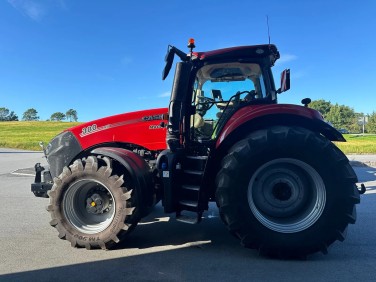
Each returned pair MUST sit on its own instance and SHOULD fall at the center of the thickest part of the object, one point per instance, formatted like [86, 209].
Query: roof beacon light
[191, 43]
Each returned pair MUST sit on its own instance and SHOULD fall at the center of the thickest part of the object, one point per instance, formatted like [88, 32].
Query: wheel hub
[98, 202]
[278, 191]
[89, 206]
[282, 191]
[286, 195]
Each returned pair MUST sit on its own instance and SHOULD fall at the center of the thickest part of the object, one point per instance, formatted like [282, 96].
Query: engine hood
[142, 128]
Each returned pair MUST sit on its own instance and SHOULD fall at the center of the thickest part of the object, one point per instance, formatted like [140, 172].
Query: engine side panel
[142, 128]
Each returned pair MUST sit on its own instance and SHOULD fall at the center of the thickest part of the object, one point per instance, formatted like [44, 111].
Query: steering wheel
[203, 99]
[204, 104]
[251, 95]
[235, 100]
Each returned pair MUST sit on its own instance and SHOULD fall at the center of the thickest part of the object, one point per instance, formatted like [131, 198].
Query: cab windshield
[219, 90]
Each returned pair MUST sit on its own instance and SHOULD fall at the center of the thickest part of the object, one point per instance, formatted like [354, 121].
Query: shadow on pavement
[370, 174]
[207, 252]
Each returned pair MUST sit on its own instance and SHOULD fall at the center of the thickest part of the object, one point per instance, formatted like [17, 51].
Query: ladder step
[189, 219]
[194, 172]
[192, 204]
[193, 163]
[191, 187]
[201, 158]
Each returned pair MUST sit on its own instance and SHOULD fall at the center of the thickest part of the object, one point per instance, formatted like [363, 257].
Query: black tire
[287, 192]
[89, 205]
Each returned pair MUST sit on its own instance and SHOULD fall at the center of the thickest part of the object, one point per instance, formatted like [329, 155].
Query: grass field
[27, 135]
[358, 144]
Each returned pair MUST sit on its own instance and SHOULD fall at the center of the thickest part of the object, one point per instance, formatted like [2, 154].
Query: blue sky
[106, 57]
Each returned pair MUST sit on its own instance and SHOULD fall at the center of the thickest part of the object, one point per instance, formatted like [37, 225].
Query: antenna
[267, 23]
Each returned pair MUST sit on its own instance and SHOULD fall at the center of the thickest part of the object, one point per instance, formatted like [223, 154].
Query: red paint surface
[124, 128]
[252, 112]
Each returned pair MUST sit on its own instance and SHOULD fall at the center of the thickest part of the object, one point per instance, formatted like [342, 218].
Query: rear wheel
[91, 206]
[287, 191]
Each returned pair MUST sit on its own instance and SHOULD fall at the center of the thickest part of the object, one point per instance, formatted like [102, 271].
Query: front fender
[138, 170]
[61, 151]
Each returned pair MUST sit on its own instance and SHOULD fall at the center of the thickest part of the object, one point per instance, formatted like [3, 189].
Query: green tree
[341, 116]
[30, 115]
[58, 116]
[322, 106]
[371, 125]
[355, 126]
[12, 117]
[6, 115]
[4, 112]
[71, 115]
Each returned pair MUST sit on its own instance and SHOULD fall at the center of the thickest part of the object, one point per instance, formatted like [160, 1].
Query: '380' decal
[89, 129]
[93, 128]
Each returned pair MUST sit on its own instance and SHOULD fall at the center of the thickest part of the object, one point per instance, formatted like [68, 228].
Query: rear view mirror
[285, 81]
[169, 59]
[217, 94]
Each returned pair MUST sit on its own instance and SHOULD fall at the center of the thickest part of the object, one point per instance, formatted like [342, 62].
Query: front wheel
[287, 191]
[91, 206]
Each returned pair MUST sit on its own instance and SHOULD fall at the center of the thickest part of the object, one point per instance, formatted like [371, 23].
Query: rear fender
[234, 134]
[138, 170]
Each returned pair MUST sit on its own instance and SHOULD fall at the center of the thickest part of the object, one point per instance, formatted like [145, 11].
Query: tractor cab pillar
[180, 106]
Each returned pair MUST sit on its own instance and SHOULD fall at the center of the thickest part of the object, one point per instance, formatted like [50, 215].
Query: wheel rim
[286, 195]
[89, 206]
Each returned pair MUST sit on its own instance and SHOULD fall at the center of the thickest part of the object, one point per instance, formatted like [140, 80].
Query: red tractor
[281, 185]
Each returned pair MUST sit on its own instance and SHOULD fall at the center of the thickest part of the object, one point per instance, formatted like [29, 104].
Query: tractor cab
[209, 87]
[221, 89]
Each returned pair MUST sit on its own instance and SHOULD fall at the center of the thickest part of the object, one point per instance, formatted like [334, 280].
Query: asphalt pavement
[162, 249]
[362, 160]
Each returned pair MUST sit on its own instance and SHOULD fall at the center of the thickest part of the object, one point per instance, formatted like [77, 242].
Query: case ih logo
[155, 117]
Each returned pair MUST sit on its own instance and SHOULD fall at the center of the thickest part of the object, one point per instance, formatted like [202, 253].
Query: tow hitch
[42, 182]
[362, 189]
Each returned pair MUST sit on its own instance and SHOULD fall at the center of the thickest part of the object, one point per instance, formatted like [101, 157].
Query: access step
[188, 204]
[189, 187]
[194, 219]
[195, 162]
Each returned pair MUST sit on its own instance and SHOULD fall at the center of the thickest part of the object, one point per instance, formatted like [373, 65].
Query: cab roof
[241, 53]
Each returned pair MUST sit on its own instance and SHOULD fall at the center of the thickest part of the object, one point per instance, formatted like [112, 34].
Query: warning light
[191, 43]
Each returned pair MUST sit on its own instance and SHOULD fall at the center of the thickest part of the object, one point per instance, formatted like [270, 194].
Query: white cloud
[29, 8]
[165, 94]
[286, 58]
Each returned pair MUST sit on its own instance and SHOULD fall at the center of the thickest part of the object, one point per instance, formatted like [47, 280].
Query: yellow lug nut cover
[93, 204]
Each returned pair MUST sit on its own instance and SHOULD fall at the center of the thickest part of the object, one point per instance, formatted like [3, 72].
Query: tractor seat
[197, 120]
